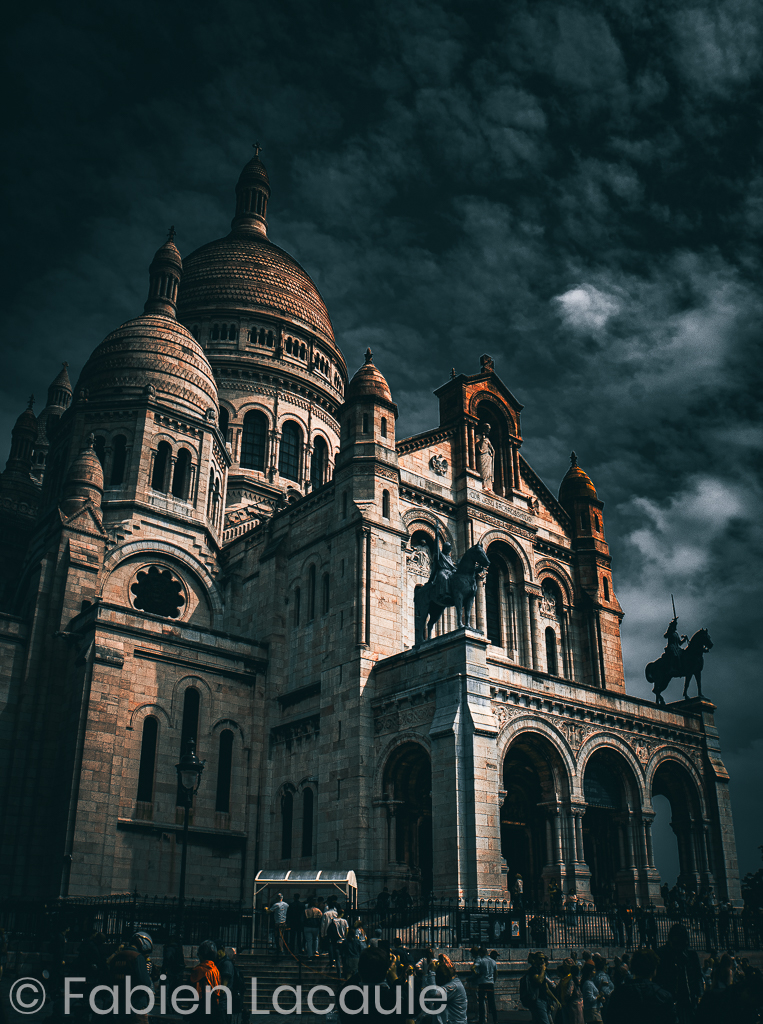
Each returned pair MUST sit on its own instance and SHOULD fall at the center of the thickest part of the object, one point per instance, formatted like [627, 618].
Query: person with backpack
[173, 962]
[131, 961]
[335, 935]
[233, 980]
[205, 977]
[535, 991]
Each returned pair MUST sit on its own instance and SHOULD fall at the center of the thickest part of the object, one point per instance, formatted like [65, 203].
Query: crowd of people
[667, 985]
[103, 965]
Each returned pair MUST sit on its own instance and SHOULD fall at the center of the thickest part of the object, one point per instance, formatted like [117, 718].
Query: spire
[60, 390]
[23, 436]
[164, 276]
[369, 356]
[573, 459]
[252, 195]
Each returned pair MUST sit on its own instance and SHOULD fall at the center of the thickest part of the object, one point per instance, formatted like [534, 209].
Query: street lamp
[189, 770]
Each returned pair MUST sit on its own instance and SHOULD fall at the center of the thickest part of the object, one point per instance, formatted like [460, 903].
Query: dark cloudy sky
[573, 187]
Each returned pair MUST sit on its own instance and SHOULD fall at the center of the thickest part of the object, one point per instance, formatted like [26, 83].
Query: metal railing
[440, 923]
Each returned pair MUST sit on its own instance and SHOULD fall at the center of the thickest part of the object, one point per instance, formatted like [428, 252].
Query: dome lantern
[164, 277]
[252, 195]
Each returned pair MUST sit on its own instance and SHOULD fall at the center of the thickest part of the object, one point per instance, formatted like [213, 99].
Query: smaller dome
[27, 421]
[253, 175]
[576, 484]
[369, 381]
[84, 481]
[151, 351]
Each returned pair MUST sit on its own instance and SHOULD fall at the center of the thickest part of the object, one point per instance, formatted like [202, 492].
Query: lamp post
[189, 770]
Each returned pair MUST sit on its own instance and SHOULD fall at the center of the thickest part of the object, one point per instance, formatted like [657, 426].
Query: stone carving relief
[420, 561]
[438, 465]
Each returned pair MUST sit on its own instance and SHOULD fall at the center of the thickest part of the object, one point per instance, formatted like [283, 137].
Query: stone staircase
[271, 971]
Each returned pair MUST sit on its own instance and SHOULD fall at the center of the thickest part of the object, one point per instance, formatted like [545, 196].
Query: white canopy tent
[323, 883]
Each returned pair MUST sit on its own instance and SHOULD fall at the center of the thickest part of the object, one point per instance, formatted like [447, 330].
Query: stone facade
[217, 535]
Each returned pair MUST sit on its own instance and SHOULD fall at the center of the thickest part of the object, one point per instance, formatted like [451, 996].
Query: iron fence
[120, 915]
[439, 923]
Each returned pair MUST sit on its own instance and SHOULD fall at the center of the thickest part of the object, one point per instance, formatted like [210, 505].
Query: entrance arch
[673, 780]
[611, 827]
[407, 787]
[536, 784]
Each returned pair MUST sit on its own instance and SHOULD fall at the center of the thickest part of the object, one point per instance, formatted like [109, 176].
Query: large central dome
[246, 271]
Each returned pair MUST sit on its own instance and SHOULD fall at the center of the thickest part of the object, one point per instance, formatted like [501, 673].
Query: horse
[463, 588]
[691, 664]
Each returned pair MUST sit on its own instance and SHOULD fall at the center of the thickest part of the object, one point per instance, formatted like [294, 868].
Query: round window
[157, 591]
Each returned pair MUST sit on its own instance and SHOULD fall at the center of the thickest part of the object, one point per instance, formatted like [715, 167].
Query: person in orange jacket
[205, 977]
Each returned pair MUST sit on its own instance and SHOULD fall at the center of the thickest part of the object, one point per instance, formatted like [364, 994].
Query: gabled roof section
[537, 485]
[424, 440]
[477, 381]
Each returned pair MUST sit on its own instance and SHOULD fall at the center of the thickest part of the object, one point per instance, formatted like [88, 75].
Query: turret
[22, 444]
[252, 195]
[164, 277]
[84, 481]
[577, 496]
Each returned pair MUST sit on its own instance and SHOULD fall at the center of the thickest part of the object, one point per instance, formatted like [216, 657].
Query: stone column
[557, 825]
[629, 841]
[480, 605]
[549, 844]
[532, 620]
[647, 839]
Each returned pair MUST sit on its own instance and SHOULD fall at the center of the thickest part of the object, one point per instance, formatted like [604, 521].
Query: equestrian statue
[449, 585]
[677, 660]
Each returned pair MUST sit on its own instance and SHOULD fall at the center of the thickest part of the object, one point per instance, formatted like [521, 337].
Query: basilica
[216, 535]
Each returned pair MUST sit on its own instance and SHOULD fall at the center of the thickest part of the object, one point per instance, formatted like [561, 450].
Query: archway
[673, 781]
[506, 604]
[407, 786]
[611, 834]
[535, 781]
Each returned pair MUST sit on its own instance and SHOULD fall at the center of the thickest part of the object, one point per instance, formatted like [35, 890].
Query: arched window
[287, 814]
[307, 823]
[318, 465]
[161, 464]
[100, 449]
[288, 345]
[493, 584]
[385, 504]
[384, 426]
[365, 422]
[253, 441]
[288, 457]
[605, 581]
[325, 593]
[223, 332]
[215, 332]
[189, 729]
[232, 332]
[585, 523]
[223, 422]
[224, 766]
[118, 460]
[297, 604]
[147, 760]
[182, 475]
[505, 604]
[311, 594]
[551, 659]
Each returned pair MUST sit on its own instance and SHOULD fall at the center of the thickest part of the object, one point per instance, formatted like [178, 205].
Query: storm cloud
[574, 188]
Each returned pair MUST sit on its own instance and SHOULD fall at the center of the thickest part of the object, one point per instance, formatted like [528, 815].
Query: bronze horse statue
[691, 663]
[462, 587]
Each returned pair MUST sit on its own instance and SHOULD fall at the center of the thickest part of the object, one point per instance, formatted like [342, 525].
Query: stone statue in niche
[486, 458]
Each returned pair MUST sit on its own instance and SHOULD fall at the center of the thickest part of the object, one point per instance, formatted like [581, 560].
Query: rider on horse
[442, 570]
[673, 648]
